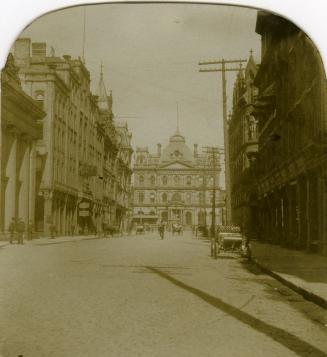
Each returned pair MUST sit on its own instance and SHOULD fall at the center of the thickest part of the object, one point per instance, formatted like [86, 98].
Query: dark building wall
[242, 131]
[291, 162]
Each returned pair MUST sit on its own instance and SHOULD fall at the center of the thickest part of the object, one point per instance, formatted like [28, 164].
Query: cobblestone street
[142, 296]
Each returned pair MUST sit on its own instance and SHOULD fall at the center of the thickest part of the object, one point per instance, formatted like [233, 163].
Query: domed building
[175, 185]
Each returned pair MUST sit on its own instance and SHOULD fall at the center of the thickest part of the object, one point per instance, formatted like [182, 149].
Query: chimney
[22, 48]
[39, 50]
[195, 150]
[159, 150]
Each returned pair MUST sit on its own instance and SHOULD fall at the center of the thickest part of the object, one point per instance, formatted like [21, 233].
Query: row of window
[176, 180]
[175, 197]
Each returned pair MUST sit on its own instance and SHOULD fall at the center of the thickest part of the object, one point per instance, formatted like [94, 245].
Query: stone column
[307, 211]
[48, 213]
[320, 210]
[324, 212]
[24, 180]
[10, 197]
[64, 216]
[32, 193]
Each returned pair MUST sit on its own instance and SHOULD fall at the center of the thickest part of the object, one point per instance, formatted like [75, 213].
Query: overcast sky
[150, 55]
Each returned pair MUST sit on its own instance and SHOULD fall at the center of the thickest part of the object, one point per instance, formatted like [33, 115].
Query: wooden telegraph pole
[212, 157]
[213, 160]
[223, 71]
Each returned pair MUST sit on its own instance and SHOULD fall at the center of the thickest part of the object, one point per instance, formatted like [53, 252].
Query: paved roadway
[141, 296]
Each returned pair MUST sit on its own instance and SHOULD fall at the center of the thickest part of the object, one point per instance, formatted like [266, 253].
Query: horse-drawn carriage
[111, 230]
[139, 229]
[177, 228]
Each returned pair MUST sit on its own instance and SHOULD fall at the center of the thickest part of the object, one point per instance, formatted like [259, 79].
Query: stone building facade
[243, 141]
[124, 176]
[176, 185]
[76, 164]
[291, 167]
[21, 128]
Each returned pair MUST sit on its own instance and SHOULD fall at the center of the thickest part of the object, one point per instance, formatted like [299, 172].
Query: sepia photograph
[163, 184]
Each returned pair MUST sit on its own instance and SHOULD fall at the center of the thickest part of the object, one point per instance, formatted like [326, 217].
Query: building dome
[177, 149]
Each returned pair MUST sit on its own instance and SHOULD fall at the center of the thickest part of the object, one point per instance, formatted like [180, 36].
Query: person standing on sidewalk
[12, 229]
[30, 230]
[52, 230]
[20, 231]
[72, 230]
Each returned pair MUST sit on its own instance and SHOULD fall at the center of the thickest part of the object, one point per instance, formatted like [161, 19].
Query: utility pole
[212, 156]
[223, 71]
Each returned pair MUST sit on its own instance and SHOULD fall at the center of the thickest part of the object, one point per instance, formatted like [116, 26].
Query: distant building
[291, 168]
[21, 127]
[243, 141]
[175, 185]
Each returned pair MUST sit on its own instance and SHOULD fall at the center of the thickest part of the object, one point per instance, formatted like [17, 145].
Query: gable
[177, 165]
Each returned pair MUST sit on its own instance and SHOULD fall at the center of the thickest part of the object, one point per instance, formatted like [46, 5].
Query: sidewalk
[49, 240]
[305, 273]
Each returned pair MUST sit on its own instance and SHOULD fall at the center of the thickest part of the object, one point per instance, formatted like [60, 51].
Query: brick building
[243, 141]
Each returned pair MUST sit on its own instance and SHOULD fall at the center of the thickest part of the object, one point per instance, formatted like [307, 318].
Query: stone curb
[318, 300]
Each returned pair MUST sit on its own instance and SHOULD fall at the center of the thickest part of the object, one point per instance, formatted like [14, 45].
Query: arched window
[164, 180]
[141, 180]
[164, 197]
[39, 96]
[152, 197]
[141, 197]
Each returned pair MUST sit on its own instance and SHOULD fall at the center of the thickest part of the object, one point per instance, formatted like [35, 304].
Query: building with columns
[21, 128]
[176, 185]
[77, 158]
[243, 142]
[291, 164]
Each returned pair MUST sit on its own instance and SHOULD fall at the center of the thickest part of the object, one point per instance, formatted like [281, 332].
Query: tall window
[152, 180]
[164, 180]
[152, 197]
[188, 197]
[188, 181]
[39, 96]
[141, 180]
[176, 180]
[141, 197]
[164, 197]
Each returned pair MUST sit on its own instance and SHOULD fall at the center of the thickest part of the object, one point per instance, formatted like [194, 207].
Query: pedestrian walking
[72, 230]
[12, 229]
[52, 230]
[161, 230]
[30, 230]
[20, 231]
